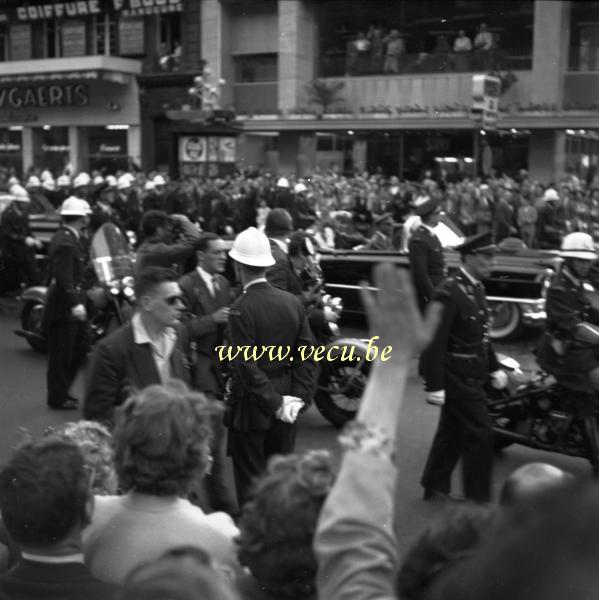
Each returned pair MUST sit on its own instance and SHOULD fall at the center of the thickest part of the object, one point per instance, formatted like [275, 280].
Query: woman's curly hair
[95, 443]
[278, 524]
[161, 439]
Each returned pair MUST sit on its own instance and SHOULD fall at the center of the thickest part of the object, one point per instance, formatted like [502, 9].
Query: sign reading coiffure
[42, 96]
[31, 11]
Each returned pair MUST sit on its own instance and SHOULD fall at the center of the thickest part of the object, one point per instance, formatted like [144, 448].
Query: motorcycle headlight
[128, 291]
[128, 281]
[114, 287]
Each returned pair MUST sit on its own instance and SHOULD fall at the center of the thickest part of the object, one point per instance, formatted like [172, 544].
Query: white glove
[330, 315]
[289, 409]
[79, 312]
[30, 241]
[499, 379]
[436, 398]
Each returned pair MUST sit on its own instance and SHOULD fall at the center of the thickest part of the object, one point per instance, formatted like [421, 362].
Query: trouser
[68, 345]
[250, 451]
[464, 430]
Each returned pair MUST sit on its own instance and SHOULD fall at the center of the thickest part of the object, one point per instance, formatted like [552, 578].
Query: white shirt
[54, 560]
[250, 283]
[208, 280]
[484, 39]
[161, 350]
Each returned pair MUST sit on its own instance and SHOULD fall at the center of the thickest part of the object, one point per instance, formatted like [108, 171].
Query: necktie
[215, 286]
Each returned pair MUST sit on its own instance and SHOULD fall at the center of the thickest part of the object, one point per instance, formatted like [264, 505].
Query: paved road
[22, 404]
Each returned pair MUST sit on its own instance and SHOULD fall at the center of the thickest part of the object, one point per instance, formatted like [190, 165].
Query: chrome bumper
[532, 310]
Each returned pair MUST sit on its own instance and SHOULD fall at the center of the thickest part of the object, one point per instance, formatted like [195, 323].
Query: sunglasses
[172, 300]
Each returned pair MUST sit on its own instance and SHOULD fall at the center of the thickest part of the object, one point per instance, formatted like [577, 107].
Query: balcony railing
[584, 58]
[255, 97]
[341, 64]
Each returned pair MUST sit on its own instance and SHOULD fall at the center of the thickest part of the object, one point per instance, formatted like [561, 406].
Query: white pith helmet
[578, 245]
[82, 180]
[251, 247]
[74, 207]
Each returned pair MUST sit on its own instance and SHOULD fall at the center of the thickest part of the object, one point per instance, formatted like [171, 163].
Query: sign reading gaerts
[42, 96]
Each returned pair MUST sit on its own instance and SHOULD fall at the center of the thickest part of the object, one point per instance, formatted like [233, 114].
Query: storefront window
[11, 153]
[51, 148]
[169, 31]
[107, 148]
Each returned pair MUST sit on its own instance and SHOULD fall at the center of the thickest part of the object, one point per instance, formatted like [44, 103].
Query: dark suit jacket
[203, 330]
[266, 316]
[426, 263]
[120, 367]
[281, 274]
[68, 259]
[29, 580]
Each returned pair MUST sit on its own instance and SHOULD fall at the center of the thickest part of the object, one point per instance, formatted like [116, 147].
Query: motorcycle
[340, 381]
[536, 411]
[111, 297]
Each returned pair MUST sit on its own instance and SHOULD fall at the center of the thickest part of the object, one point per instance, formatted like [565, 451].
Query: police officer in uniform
[461, 362]
[568, 349]
[264, 396]
[65, 317]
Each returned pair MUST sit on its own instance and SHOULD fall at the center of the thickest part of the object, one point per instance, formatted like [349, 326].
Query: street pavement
[22, 405]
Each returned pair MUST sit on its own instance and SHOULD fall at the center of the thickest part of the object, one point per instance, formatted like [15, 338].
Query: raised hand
[393, 313]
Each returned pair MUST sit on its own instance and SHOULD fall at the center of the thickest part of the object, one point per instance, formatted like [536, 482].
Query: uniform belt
[462, 355]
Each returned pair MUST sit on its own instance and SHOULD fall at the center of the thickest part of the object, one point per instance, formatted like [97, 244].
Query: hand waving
[393, 313]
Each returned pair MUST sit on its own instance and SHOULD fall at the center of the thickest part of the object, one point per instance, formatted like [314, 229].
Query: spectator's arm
[355, 544]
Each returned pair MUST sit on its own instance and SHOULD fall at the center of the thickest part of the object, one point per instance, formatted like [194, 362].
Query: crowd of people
[108, 510]
[367, 211]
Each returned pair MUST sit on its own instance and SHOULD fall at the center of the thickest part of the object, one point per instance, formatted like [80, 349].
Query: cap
[278, 222]
[481, 243]
[159, 180]
[298, 188]
[64, 181]
[283, 182]
[74, 207]
[550, 194]
[33, 181]
[123, 182]
[81, 180]
[98, 180]
[424, 205]
[111, 180]
[46, 175]
[149, 186]
[19, 192]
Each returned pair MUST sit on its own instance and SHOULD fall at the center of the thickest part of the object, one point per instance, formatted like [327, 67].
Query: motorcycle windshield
[110, 254]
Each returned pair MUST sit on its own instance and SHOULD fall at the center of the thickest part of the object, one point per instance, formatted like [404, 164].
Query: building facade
[314, 84]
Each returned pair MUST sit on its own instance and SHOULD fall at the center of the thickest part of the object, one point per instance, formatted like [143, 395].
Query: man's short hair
[161, 439]
[151, 221]
[43, 492]
[150, 278]
[205, 240]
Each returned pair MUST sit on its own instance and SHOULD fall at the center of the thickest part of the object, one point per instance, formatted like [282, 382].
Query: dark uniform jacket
[266, 316]
[68, 268]
[281, 273]
[121, 367]
[205, 333]
[558, 353]
[461, 356]
[426, 263]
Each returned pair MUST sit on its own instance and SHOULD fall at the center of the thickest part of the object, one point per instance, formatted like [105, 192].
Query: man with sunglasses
[152, 348]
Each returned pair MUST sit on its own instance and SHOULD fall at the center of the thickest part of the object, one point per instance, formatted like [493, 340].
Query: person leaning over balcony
[394, 49]
[462, 47]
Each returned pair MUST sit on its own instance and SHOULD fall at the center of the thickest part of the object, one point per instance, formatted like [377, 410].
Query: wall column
[134, 143]
[298, 39]
[547, 155]
[27, 149]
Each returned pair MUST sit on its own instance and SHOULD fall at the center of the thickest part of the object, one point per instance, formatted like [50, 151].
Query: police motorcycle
[343, 367]
[549, 409]
[111, 296]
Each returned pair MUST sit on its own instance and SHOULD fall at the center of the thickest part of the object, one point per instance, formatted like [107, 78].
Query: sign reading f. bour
[42, 96]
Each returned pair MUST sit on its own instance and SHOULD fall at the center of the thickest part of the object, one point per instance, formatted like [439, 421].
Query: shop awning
[103, 68]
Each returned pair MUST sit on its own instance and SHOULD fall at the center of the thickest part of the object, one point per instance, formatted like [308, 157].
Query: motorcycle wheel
[340, 388]
[31, 320]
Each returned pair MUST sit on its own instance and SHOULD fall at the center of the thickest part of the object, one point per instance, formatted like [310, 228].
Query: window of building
[21, 47]
[104, 35]
[169, 31]
[4, 39]
[255, 68]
